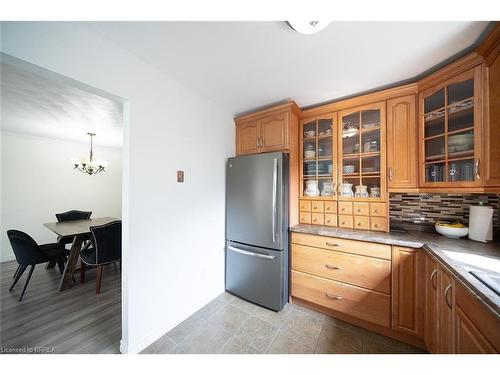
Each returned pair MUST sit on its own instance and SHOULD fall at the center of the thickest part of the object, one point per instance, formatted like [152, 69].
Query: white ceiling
[246, 65]
[35, 104]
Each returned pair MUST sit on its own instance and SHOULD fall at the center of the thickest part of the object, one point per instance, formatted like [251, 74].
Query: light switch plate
[180, 176]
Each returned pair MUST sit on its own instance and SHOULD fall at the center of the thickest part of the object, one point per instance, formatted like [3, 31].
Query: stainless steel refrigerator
[257, 228]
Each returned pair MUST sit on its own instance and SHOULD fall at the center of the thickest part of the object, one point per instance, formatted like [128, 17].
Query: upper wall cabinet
[402, 160]
[266, 131]
[450, 132]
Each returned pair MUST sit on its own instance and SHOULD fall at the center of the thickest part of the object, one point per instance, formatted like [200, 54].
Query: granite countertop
[458, 255]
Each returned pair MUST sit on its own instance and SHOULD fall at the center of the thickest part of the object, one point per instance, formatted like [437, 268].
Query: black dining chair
[69, 216]
[104, 247]
[29, 253]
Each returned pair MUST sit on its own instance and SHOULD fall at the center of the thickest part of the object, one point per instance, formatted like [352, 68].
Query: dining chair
[69, 216]
[29, 253]
[104, 247]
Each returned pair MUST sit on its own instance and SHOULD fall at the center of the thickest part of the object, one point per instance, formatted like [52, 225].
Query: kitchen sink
[491, 281]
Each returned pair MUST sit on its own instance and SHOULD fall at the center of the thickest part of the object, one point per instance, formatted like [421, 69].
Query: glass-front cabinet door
[362, 150]
[450, 128]
[319, 157]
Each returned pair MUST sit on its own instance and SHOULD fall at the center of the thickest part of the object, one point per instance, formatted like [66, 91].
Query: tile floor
[231, 325]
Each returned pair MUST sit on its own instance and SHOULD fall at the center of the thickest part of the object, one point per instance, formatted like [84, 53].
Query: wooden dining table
[79, 230]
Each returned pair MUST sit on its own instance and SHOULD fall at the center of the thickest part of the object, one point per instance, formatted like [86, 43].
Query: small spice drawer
[330, 207]
[305, 218]
[378, 223]
[361, 208]
[316, 218]
[362, 222]
[305, 206]
[378, 209]
[346, 221]
[345, 208]
[317, 206]
[331, 220]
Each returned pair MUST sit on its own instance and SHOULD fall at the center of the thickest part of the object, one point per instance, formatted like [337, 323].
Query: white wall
[39, 181]
[173, 233]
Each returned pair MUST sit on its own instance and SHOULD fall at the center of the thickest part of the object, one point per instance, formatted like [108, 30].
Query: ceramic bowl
[450, 231]
[348, 168]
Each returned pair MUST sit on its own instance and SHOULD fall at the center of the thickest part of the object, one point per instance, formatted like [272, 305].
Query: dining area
[81, 239]
[64, 296]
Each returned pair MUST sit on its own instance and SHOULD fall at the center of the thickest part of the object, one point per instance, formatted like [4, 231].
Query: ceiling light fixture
[90, 165]
[308, 27]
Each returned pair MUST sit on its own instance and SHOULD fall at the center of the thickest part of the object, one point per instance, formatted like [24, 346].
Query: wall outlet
[180, 176]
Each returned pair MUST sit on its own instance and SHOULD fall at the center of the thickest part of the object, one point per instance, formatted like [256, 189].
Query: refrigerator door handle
[250, 253]
[275, 192]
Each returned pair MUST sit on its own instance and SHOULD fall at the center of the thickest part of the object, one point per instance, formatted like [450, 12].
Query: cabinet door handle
[390, 173]
[377, 211]
[446, 294]
[358, 210]
[333, 296]
[360, 224]
[476, 169]
[344, 223]
[331, 244]
[377, 225]
[433, 274]
[332, 267]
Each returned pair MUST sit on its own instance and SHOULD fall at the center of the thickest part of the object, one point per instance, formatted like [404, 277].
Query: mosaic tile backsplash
[423, 210]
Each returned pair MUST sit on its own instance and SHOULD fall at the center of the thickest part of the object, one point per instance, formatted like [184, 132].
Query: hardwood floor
[76, 320]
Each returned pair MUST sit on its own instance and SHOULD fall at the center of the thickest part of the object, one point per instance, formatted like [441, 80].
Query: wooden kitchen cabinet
[402, 160]
[247, 138]
[431, 317]
[445, 311]
[408, 290]
[468, 339]
[450, 131]
[273, 129]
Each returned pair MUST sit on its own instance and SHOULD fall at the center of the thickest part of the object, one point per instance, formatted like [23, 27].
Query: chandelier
[89, 165]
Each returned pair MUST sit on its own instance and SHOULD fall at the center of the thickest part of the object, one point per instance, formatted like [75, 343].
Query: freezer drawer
[257, 274]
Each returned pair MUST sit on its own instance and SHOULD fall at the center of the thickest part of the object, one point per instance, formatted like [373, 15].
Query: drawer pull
[345, 222]
[343, 209]
[377, 225]
[332, 296]
[331, 244]
[332, 267]
[360, 224]
[377, 211]
[358, 210]
[315, 220]
[315, 207]
[328, 221]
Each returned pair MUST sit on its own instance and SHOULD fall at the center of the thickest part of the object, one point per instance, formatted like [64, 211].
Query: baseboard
[142, 344]
[7, 258]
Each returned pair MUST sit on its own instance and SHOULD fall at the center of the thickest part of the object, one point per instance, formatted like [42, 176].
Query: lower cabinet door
[468, 339]
[408, 290]
[431, 305]
[445, 312]
[358, 302]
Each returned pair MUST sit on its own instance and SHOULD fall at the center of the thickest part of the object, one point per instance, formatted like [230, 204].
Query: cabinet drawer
[345, 208]
[361, 208]
[378, 209]
[317, 206]
[305, 218]
[338, 244]
[358, 302]
[362, 222]
[316, 219]
[358, 270]
[305, 206]
[378, 223]
[331, 220]
[330, 207]
[346, 221]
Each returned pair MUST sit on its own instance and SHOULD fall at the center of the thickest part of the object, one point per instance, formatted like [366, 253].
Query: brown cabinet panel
[445, 311]
[273, 132]
[317, 206]
[331, 220]
[345, 208]
[468, 339]
[431, 304]
[362, 222]
[346, 221]
[371, 273]
[378, 209]
[361, 208]
[316, 218]
[408, 290]
[305, 206]
[305, 217]
[247, 138]
[402, 143]
[358, 302]
[378, 224]
[491, 169]
[330, 207]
